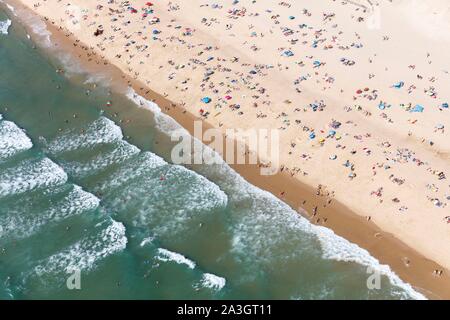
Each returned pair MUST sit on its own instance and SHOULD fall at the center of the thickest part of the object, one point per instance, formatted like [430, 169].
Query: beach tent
[206, 100]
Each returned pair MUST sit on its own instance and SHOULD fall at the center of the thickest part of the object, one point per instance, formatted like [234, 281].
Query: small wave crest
[212, 281]
[4, 26]
[30, 175]
[12, 140]
[21, 221]
[170, 256]
[101, 131]
[86, 253]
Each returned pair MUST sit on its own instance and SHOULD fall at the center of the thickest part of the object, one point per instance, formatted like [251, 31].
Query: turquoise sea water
[83, 191]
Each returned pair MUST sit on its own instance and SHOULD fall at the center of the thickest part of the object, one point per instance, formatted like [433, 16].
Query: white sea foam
[85, 254]
[136, 179]
[146, 241]
[141, 101]
[38, 27]
[122, 151]
[10, 7]
[98, 78]
[21, 222]
[340, 249]
[29, 175]
[101, 131]
[71, 65]
[183, 197]
[166, 255]
[12, 140]
[131, 170]
[193, 191]
[164, 123]
[212, 281]
[272, 217]
[4, 26]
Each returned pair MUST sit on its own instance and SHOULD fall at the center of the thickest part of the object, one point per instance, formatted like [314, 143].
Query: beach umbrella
[206, 100]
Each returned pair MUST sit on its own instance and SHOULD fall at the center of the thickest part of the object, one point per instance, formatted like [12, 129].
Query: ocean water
[85, 192]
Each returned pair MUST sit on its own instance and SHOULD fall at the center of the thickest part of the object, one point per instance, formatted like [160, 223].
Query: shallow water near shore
[87, 186]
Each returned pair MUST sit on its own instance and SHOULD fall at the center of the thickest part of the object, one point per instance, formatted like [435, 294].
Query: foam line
[30, 175]
[13, 140]
[101, 131]
[166, 256]
[86, 253]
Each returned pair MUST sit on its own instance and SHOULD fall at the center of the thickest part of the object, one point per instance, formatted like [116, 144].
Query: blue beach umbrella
[206, 100]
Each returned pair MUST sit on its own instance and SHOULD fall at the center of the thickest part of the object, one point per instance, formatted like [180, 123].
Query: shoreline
[353, 227]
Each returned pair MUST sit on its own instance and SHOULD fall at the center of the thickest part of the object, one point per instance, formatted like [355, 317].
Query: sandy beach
[358, 92]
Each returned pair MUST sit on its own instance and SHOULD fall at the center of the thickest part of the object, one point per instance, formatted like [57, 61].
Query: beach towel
[417, 108]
